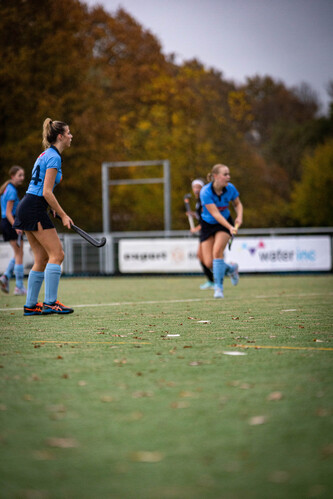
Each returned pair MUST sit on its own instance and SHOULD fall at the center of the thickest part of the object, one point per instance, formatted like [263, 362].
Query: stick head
[187, 196]
[102, 242]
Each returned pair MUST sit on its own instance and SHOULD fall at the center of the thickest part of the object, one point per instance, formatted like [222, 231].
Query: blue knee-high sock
[19, 274]
[218, 271]
[35, 281]
[228, 268]
[10, 269]
[52, 278]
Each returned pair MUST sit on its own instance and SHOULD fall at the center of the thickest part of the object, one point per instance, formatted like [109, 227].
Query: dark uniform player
[197, 185]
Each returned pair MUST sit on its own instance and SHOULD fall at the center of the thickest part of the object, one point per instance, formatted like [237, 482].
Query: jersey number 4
[36, 178]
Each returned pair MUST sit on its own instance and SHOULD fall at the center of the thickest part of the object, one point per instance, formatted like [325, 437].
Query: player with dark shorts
[32, 217]
[217, 225]
[197, 185]
[9, 202]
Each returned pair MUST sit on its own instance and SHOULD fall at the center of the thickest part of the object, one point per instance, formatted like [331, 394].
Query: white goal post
[106, 182]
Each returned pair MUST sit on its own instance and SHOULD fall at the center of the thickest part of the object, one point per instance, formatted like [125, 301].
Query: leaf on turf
[82, 383]
[258, 420]
[203, 322]
[120, 362]
[142, 394]
[147, 457]
[65, 376]
[274, 396]
[322, 412]
[106, 398]
[279, 476]
[180, 405]
[56, 408]
[59, 357]
[187, 346]
[191, 318]
[185, 394]
[318, 341]
[235, 318]
[195, 363]
[63, 443]
[3, 407]
[135, 416]
[327, 451]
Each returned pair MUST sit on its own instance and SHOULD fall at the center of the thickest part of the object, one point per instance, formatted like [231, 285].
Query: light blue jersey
[209, 196]
[48, 159]
[10, 194]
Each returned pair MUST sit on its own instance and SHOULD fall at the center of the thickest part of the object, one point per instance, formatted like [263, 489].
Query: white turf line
[189, 300]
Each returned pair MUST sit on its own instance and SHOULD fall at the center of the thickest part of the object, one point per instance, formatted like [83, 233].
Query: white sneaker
[4, 284]
[20, 291]
[207, 285]
[218, 293]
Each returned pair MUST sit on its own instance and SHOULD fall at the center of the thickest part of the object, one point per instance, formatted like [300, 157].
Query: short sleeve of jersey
[50, 159]
[53, 162]
[11, 193]
[206, 195]
[233, 192]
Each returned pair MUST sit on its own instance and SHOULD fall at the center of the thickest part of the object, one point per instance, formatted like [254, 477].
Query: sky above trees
[290, 40]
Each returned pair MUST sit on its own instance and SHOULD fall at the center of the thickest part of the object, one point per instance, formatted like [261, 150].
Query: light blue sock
[10, 269]
[52, 278]
[218, 271]
[230, 269]
[35, 281]
[19, 274]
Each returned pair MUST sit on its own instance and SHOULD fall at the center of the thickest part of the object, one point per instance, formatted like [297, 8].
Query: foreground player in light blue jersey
[9, 202]
[32, 217]
[217, 226]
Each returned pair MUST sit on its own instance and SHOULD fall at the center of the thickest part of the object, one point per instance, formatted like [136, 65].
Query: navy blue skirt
[8, 233]
[208, 230]
[31, 210]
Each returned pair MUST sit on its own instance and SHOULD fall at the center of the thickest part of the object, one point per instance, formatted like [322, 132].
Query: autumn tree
[125, 100]
[312, 201]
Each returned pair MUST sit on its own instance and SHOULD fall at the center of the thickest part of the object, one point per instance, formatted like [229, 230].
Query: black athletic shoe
[34, 310]
[56, 308]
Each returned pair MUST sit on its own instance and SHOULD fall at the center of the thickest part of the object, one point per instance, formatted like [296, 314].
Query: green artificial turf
[104, 404]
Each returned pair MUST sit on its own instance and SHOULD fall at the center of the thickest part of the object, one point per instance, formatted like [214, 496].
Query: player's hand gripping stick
[232, 237]
[188, 210]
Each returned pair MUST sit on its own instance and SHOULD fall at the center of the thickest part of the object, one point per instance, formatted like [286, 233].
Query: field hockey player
[217, 226]
[9, 202]
[197, 185]
[32, 217]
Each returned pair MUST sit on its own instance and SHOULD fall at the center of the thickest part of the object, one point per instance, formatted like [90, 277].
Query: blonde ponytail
[51, 130]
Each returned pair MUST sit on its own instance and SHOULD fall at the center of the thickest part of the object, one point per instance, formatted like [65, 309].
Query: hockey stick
[86, 236]
[188, 210]
[232, 237]
[19, 240]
